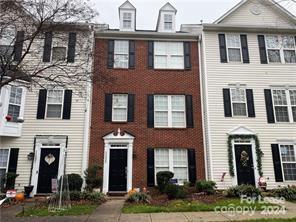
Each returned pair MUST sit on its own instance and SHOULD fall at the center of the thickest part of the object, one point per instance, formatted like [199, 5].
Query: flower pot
[28, 190]
[8, 118]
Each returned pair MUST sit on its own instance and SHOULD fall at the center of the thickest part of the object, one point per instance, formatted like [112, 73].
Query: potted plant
[28, 190]
[8, 118]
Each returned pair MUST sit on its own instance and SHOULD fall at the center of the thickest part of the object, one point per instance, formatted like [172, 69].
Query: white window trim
[280, 151]
[170, 112]
[113, 107]
[171, 163]
[127, 20]
[281, 49]
[56, 42]
[8, 157]
[15, 104]
[62, 108]
[289, 105]
[240, 48]
[239, 102]
[167, 22]
[126, 54]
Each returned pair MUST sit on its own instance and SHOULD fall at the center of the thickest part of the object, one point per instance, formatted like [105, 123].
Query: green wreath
[259, 153]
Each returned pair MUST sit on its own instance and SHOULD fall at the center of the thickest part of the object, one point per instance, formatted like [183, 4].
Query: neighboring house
[147, 117]
[54, 134]
[249, 93]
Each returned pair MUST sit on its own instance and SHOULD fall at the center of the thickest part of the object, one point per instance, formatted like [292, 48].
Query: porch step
[116, 194]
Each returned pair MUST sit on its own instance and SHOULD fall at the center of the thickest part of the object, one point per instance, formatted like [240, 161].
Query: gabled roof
[273, 3]
[168, 7]
[127, 5]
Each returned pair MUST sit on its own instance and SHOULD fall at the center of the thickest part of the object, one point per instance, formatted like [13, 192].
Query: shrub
[93, 196]
[75, 195]
[7, 181]
[138, 197]
[92, 179]
[75, 182]
[163, 179]
[206, 186]
[244, 189]
[289, 193]
[175, 191]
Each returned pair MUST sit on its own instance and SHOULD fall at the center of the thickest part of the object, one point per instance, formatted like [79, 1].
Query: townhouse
[249, 94]
[146, 117]
[44, 128]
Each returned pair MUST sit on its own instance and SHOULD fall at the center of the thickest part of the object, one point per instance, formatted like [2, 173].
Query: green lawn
[43, 211]
[271, 220]
[188, 206]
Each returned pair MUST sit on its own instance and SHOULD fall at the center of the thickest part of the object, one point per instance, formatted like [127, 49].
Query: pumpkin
[20, 197]
[132, 191]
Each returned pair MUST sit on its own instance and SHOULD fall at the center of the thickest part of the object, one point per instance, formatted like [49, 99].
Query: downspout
[32, 162]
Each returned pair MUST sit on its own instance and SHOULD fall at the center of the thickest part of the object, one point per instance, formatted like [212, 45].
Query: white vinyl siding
[288, 160]
[169, 111]
[15, 102]
[54, 104]
[168, 55]
[121, 49]
[233, 44]
[238, 102]
[4, 154]
[284, 105]
[119, 107]
[174, 160]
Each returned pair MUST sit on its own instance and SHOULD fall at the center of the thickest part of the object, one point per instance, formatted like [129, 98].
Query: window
[238, 100]
[4, 154]
[119, 107]
[15, 102]
[174, 160]
[281, 49]
[168, 22]
[284, 103]
[288, 161]
[168, 55]
[58, 53]
[54, 103]
[7, 37]
[169, 111]
[121, 49]
[127, 20]
[234, 47]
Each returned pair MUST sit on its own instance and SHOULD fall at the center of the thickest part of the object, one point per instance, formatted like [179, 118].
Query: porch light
[30, 156]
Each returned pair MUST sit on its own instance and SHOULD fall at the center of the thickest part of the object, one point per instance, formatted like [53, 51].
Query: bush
[289, 193]
[7, 181]
[244, 189]
[163, 179]
[93, 196]
[92, 179]
[75, 182]
[75, 195]
[205, 186]
[175, 191]
[138, 197]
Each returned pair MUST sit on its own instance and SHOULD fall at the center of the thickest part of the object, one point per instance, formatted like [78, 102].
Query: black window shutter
[191, 165]
[67, 104]
[189, 112]
[277, 163]
[71, 47]
[227, 103]
[150, 111]
[150, 168]
[262, 49]
[13, 158]
[187, 60]
[269, 106]
[150, 54]
[110, 60]
[132, 58]
[108, 107]
[245, 49]
[222, 46]
[41, 104]
[18, 47]
[131, 107]
[47, 47]
[250, 103]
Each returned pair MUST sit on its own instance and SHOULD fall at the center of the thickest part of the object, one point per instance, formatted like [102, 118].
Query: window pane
[234, 55]
[160, 48]
[160, 119]
[119, 114]
[15, 95]
[3, 157]
[162, 158]
[180, 157]
[274, 55]
[294, 113]
[288, 42]
[233, 41]
[168, 18]
[289, 171]
[175, 48]
[180, 173]
[238, 95]
[2, 174]
[279, 97]
[14, 111]
[54, 111]
[239, 109]
[58, 53]
[120, 100]
[120, 61]
[272, 42]
[160, 61]
[293, 97]
[176, 62]
[121, 47]
[127, 16]
[127, 24]
[178, 103]
[7, 36]
[55, 96]
[290, 56]
[6, 51]
[161, 103]
[287, 153]
[281, 113]
[178, 119]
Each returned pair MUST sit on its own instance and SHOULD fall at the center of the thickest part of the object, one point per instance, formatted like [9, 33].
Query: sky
[189, 11]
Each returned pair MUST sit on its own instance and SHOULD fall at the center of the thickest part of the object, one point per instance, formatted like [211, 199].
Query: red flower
[8, 118]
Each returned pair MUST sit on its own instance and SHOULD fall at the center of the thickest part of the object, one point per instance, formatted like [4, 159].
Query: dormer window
[127, 20]
[168, 22]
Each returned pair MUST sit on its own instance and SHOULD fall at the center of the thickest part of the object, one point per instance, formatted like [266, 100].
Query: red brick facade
[142, 81]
